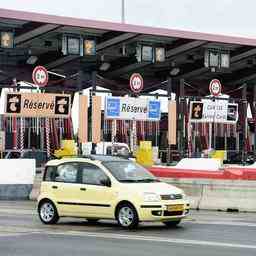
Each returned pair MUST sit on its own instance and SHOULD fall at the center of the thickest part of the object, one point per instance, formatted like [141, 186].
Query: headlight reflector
[184, 197]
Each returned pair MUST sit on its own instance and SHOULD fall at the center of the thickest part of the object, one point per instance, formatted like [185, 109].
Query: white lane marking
[226, 223]
[17, 212]
[151, 239]
[10, 234]
[28, 231]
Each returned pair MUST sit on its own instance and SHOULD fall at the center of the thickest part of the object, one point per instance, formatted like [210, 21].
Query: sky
[227, 17]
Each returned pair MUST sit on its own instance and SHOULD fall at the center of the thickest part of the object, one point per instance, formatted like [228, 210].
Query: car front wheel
[48, 213]
[127, 216]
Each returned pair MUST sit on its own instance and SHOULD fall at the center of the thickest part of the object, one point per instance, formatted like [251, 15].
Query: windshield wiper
[148, 180]
[140, 180]
[127, 180]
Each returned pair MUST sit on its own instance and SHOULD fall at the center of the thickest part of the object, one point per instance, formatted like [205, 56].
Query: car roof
[86, 159]
[104, 158]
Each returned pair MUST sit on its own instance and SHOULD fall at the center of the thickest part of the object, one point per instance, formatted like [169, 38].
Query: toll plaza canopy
[79, 52]
[82, 53]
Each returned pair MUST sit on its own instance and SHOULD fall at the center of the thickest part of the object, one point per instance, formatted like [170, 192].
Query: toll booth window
[67, 173]
[118, 151]
[28, 155]
[109, 150]
[91, 174]
[39, 156]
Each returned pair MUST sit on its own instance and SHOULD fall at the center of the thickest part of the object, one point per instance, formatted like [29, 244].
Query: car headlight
[184, 197]
[151, 197]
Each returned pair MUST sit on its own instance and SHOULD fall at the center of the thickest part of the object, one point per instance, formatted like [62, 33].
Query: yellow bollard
[144, 154]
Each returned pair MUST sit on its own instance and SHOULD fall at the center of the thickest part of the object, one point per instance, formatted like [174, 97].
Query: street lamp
[159, 54]
[7, 40]
[216, 59]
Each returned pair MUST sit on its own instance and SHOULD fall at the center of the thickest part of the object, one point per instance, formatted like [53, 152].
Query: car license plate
[175, 208]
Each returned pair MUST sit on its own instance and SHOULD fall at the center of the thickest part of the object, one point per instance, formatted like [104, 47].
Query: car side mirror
[130, 155]
[105, 182]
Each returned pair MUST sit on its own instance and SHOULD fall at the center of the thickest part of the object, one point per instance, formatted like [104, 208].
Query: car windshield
[127, 171]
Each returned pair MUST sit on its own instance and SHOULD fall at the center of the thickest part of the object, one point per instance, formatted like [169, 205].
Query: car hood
[159, 188]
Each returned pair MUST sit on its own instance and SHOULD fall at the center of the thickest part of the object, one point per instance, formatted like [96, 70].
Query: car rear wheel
[172, 223]
[48, 213]
[127, 216]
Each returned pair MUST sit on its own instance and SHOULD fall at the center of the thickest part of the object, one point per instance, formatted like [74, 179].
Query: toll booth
[68, 58]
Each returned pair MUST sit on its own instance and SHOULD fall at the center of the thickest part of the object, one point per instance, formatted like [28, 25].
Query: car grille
[171, 197]
[166, 213]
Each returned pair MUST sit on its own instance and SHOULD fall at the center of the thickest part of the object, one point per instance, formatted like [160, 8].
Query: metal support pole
[123, 11]
[22, 135]
[214, 127]
[134, 136]
[182, 117]
[210, 136]
[113, 135]
[79, 86]
[254, 118]
[94, 84]
[42, 133]
[47, 131]
[14, 120]
[244, 123]
[94, 87]
[169, 149]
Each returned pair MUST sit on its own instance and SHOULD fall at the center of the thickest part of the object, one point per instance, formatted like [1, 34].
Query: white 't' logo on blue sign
[154, 109]
[113, 107]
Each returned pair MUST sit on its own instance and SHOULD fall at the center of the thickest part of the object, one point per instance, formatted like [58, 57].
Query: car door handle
[83, 189]
[54, 187]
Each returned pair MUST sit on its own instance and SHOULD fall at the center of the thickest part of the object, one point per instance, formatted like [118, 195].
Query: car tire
[48, 213]
[172, 223]
[92, 221]
[127, 216]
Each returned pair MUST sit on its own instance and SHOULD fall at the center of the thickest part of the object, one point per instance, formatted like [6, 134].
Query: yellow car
[106, 187]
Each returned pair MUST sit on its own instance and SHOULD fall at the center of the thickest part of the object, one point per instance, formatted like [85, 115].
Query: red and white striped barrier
[228, 173]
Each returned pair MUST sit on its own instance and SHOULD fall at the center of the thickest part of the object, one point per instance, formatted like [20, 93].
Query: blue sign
[154, 109]
[113, 107]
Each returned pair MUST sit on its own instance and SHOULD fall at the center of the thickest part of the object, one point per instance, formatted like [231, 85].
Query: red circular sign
[215, 87]
[136, 82]
[40, 76]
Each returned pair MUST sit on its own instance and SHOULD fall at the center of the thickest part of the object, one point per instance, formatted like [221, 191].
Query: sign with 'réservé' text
[37, 105]
[132, 109]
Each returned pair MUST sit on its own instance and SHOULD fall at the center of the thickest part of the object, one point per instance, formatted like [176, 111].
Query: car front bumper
[163, 211]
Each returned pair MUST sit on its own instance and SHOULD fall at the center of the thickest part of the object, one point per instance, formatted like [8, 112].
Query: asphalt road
[203, 233]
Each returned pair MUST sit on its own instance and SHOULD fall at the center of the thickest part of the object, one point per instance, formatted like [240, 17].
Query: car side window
[67, 172]
[50, 173]
[92, 174]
